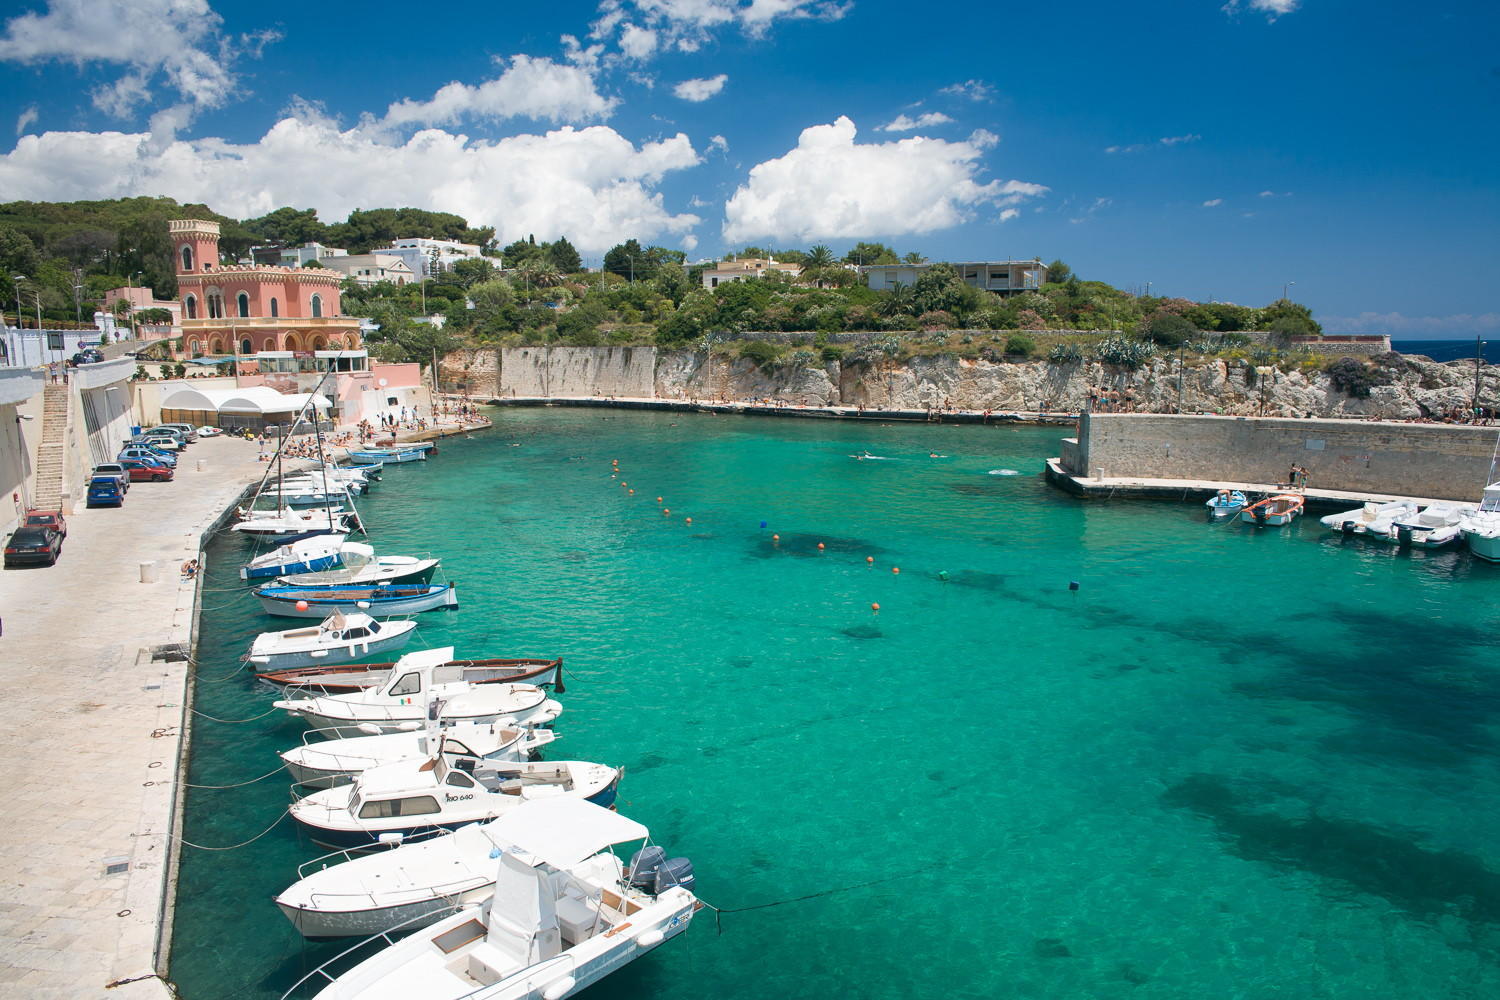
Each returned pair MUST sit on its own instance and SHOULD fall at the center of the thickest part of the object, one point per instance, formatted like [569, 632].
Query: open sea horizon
[1232, 763]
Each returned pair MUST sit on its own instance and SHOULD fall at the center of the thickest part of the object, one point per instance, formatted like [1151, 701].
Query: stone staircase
[51, 454]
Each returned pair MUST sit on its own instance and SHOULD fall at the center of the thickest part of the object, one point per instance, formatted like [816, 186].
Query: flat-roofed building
[749, 267]
[429, 258]
[371, 268]
[1003, 277]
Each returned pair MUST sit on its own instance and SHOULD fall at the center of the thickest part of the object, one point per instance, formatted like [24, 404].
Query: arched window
[187, 258]
[215, 299]
[243, 301]
[245, 346]
[317, 306]
[275, 308]
[190, 305]
[215, 346]
[318, 342]
[194, 349]
[293, 343]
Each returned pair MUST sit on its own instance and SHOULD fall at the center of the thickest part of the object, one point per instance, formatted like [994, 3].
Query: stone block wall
[475, 371]
[1423, 460]
[577, 371]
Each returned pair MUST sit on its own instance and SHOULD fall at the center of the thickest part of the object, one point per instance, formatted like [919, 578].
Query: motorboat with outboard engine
[325, 763]
[339, 638]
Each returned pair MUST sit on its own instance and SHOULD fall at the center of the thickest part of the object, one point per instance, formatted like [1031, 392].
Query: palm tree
[818, 257]
[539, 273]
[914, 258]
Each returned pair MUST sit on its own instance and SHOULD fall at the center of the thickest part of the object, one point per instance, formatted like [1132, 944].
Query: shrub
[832, 352]
[936, 319]
[1354, 378]
[1065, 354]
[1123, 352]
[760, 352]
[1165, 328]
[801, 358]
[1020, 345]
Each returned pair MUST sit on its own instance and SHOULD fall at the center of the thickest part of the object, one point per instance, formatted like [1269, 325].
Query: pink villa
[248, 308]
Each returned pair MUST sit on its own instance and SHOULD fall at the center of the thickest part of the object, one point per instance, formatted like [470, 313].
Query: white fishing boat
[377, 598]
[358, 563]
[1369, 518]
[285, 521]
[1225, 504]
[1481, 529]
[412, 798]
[354, 482]
[348, 678]
[1435, 526]
[417, 679]
[339, 638]
[415, 884]
[1283, 508]
[392, 456]
[305, 555]
[332, 762]
[553, 925]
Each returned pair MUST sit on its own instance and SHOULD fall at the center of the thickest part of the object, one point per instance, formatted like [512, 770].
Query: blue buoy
[1072, 584]
[762, 524]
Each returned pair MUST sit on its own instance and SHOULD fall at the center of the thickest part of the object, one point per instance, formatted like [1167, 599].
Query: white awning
[259, 399]
[562, 832]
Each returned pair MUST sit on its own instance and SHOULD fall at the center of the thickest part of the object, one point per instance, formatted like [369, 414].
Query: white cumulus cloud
[25, 119]
[829, 186]
[530, 87]
[1213, 203]
[1009, 213]
[592, 184]
[179, 40]
[637, 43]
[906, 123]
[974, 90]
[1271, 8]
[700, 90]
[687, 25]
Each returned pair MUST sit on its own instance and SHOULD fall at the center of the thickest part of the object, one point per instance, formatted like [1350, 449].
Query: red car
[47, 519]
[142, 470]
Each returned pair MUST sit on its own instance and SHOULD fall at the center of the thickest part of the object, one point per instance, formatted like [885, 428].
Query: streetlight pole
[1285, 286]
[133, 334]
[1478, 360]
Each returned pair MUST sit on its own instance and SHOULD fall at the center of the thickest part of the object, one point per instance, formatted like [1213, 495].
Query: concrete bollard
[148, 572]
[202, 465]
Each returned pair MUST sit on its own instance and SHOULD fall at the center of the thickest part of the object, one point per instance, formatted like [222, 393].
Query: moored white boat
[1225, 504]
[308, 521]
[358, 564]
[411, 798]
[330, 762]
[1369, 518]
[376, 598]
[549, 929]
[348, 678]
[305, 555]
[339, 638]
[416, 680]
[1434, 527]
[1481, 529]
[415, 884]
[1283, 508]
[394, 455]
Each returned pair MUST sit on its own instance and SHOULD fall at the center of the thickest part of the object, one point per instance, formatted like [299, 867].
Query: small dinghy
[339, 638]
[1369, 518]
[563, 914]
[349, 678]
[335, 762]
[305, 555]
[389, 456]
[358, 564]
[415, 797]
[378, 599]
[417, 679]
[1283, 508]
[1225, 504]
[416, 884]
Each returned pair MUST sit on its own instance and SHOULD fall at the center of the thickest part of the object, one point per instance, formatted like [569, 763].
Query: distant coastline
[1445, 350]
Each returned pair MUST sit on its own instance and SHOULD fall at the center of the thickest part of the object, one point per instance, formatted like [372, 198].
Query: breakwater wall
[1444, 461]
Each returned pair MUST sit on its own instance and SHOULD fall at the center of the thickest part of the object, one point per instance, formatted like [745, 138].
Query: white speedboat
[1481, 529]
[339, 638]
[358, 563]
[1369, 518]
[308, 521]
[412, 798]
[415, 884]
[416, 680]
[334, 762]
[305, 555]
[1434, 527]
[550, 928]
[333, 479]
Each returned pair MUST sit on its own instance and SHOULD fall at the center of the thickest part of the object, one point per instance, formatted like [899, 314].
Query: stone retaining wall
[1424, 460]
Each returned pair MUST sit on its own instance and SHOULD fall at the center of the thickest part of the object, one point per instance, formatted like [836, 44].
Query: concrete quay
[94, 729]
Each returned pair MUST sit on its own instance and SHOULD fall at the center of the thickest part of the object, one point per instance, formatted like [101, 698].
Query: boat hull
[416, 571]
[1484, 546]
[394, 721]
[347, 680]
[311, 923]
[348, 653]
[397, 458]
[317, 565]
[321, 607]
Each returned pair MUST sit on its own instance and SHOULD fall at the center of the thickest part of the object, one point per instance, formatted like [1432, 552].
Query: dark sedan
[33, 547]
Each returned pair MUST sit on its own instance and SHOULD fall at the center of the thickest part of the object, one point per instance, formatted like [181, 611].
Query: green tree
[288, 227]
[470, 271]
[1287, 309]
[1059, 273]
[871, 253]
[564, 257]
[629, 260]
[914, 257]
[495, 312]
[1166, 329]
[819, 257]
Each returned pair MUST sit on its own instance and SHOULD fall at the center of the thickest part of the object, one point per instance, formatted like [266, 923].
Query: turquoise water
[1235, 763]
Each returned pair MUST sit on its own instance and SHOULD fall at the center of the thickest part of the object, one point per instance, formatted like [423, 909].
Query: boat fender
[650, 938]
[409, 727]
[559, 988]
[369, 728]
[392, 839]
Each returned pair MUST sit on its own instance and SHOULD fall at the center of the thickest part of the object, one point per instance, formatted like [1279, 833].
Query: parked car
[106, 491]
[143, 469]
[32, 546]
[147, 453]
[112, 469]
[208, 432]
[186, 431]
[162, 442]
[47, 519]
[88, 356]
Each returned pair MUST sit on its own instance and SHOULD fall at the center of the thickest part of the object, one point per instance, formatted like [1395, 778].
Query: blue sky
[1213, 150]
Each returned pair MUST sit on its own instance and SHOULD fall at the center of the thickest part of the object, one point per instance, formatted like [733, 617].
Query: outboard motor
[643, 866]
[675, 872]
[1403, 536]
[1346, 527]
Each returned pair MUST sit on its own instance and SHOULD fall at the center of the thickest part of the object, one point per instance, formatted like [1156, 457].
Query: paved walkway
[89, 746]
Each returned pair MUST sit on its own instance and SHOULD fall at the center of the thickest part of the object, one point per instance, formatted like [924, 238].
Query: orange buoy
[665, 512]
[775, 538]
[689, 520]
[870, 560]
[632, 492]
[820, 546]
[301, 605]
[874, 607]
[896, 570]
[658, 499]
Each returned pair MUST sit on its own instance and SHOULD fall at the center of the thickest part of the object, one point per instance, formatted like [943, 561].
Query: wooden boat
[563, 914]
[376, 599]
[1283, 508]
[338, 639]
[1225, 504]
[348, 678]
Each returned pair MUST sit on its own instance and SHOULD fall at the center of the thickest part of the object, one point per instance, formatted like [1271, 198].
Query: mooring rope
[235, 722]
[234, 847]
[720, 911]
[241, 784]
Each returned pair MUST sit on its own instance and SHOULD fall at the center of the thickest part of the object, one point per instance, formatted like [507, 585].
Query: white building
[749, 267]
[1006, 277]
[299, 256]
[30, 348]
[429, 258]
[371, 268]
